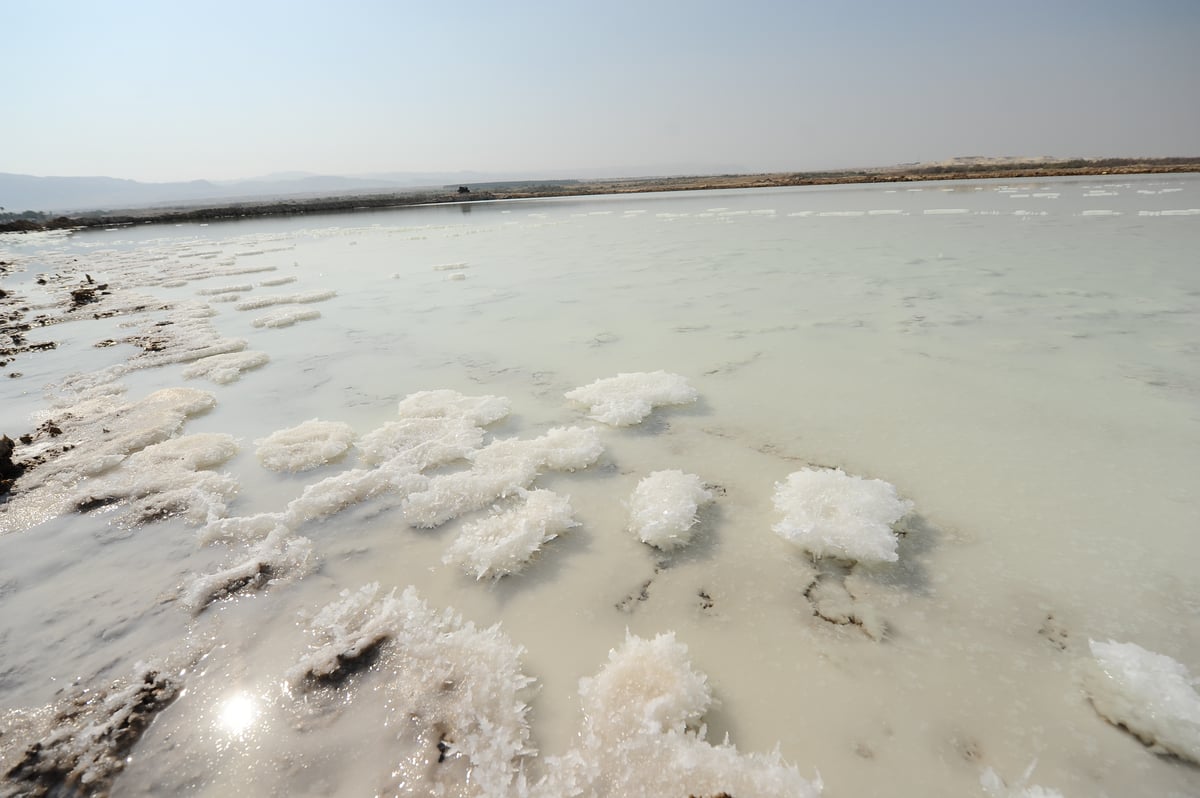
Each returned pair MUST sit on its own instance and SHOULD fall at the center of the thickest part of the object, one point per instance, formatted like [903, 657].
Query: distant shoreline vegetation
[958, 169]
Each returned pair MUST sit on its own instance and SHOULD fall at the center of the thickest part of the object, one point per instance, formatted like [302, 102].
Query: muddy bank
[527, 189]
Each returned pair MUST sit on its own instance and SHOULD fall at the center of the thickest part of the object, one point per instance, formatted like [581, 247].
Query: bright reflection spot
[238, 713]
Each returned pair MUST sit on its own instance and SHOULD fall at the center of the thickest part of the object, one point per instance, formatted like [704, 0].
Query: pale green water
[1031, 381]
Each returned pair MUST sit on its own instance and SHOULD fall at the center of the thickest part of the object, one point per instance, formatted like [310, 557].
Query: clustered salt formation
[1149, 694]
[627, 399]
[462, 686]
[663, 507]
[829, 513]
[226, 368]
[503, 542]
[641, 735]
[304, 446]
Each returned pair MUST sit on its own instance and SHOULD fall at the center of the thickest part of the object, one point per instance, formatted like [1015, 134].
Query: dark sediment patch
[89, 739]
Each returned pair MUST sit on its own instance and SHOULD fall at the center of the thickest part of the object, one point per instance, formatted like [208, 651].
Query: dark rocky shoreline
[576, 188]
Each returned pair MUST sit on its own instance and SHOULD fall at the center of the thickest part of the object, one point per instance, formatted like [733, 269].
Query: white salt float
[641, 735]
[1151, 695]
[226, 368]
[463, 687]
[663, 507]
[505, 541]
[240, 288]
[628, 398]
[305, 446]
[285, 299]
[443, 402]
[829, 513]
[285, 318]
[498, 470]
[171, 478]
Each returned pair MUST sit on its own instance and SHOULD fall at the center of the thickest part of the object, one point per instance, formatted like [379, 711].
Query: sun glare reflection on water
[238, 714]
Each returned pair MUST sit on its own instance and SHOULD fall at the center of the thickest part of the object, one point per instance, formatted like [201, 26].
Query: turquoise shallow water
[1020, 360]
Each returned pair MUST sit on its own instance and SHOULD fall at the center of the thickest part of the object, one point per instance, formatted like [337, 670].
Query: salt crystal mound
[277, 557]
[167, 479]
[505, 541]
[829, 513]
[995, 787]
[226, 289]
[89, 739]
[103, 432]
[662, 509]
[500, 469]
[1151, 695]
[227, 368]
[628, 398]
[443, 402]
[641, 735]
[285, 299]
[425, 442]
[285, 318]
[461, 685]
[305, 446]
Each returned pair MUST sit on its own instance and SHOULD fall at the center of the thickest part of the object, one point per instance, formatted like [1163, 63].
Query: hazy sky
[168, 90]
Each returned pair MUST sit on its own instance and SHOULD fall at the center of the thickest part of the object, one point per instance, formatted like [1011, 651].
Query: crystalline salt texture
[503, 542]
[463, 684]
[640, 736]
[285, 318]
[425, 442]
[226, 368]
[831, 514]
[285, 299]
[628, 398]
[278, 556]
[498, 470]
[443, 402]
[995, 787]
[305, 446]
[662, 510]
[1151, 695]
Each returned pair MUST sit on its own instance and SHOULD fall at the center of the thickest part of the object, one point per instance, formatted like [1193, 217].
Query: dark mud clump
[9, 470]
[89, 739]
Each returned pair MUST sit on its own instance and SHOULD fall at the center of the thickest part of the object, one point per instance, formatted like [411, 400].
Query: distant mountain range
[76, 194]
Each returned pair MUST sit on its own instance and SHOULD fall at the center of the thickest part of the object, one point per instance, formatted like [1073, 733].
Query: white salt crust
[226, 368]
[462, 684]
[641, 735]
[831, 514]
[628, 398]
[285, 318]
[1151, 695]
[662, 509]
[305, 446]
[285, 299]
[505, 541]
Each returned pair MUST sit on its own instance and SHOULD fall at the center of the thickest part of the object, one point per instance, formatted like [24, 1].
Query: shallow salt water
[1019, 359]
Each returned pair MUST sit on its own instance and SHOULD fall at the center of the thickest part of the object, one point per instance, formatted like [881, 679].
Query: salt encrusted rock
[424, 442]
[829, 513]
[641, 736]
[628, 398]
[662, 509]
[305, 446]
[503, 542]
[1151, 695]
